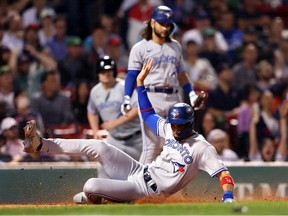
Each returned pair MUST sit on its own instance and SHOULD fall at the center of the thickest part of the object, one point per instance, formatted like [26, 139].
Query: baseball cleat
[81, 198]
[32, 142]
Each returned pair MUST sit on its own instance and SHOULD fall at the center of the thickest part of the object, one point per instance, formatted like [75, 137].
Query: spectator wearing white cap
[47, 30]
[14, 147]
[220, 140]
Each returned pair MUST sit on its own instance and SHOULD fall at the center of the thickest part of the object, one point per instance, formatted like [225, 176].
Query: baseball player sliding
[185, 153]
[167, 74]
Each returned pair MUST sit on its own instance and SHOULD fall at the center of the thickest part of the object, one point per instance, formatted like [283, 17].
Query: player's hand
[108, 125]
[144, 72]
[197, 101]
[126, 106]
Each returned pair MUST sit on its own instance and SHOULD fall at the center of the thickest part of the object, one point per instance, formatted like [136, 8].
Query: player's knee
[91, 186]
[103, 147]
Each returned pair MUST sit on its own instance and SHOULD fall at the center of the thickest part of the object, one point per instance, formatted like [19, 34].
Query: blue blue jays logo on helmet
[175, 113]
[163, 14]
[177, 167]
[180, 113]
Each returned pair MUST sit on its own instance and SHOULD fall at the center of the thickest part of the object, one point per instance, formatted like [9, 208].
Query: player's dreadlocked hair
[147, 32]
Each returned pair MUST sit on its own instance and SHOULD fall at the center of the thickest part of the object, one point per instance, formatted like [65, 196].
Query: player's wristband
[227, 180]
[228, 196]
[187, 88]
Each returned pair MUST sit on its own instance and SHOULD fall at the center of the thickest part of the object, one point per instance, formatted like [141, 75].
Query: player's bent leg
[113, 190]
[117, 164]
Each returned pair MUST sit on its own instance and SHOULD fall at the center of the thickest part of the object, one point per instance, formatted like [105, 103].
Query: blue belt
[147, 178]
[166, 90]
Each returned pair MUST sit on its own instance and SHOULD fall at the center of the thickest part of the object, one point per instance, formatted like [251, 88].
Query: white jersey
[180, 162]
[167, 62]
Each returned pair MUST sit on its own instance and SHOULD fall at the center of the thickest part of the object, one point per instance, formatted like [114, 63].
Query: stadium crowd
[236, 50]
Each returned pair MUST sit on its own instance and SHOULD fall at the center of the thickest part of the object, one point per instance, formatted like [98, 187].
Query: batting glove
[193, 96]
[228, 197]
[125, 106]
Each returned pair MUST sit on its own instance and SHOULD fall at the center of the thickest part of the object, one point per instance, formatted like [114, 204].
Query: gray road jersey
[167, 62]
[107, 105]
[179, 163]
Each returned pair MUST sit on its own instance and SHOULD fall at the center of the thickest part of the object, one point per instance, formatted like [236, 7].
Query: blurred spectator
[80, 102]
[265, 75]
[13, 36]
[8, 57]
[21, 80]
[47, 30]
[182, 10]
[54, 107]
[23, 113]
[4, 156]
[217, 8]
[200, 71]
[3, 110]
[137, 15]
[232, 35]
[6, 87]
[250, 97]
[252, 36]
[31, 38]
[245, 71]
[209, 49]
[196, 34]
[32, 14]
[81, 15]
[250, 15]
[39, 57]
[220, 140]
[223, 101]
[263, 123]
[208, 124]
[14, 146]
[264, 145]
[275, 32]
[2, 30]
[95, 44]
[281, 58]
[58, 43]
[75, 64]
[116, 51]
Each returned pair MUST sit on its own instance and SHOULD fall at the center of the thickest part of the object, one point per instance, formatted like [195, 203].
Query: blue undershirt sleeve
[187, 88]
[147, 111]
[130, 81]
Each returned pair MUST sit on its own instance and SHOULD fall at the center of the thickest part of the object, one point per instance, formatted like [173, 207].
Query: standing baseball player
[104, 102]
[167, 74]
[185, 154]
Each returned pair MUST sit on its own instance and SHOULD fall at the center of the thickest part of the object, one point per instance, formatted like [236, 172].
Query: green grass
[254, 208]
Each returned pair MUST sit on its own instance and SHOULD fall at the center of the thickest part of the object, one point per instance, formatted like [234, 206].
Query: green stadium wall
[52, 183]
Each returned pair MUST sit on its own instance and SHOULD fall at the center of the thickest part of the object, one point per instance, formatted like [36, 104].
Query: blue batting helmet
[182, 114]
[163, 14]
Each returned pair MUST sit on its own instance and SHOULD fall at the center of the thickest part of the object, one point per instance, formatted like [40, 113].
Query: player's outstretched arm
[147, 111]
[130, 82]
[227, 184]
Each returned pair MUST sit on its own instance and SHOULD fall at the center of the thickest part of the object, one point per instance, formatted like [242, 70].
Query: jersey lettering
[165, 59]
[184, 152]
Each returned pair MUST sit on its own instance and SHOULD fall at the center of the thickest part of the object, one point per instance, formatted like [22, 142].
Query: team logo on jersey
[177, 167]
